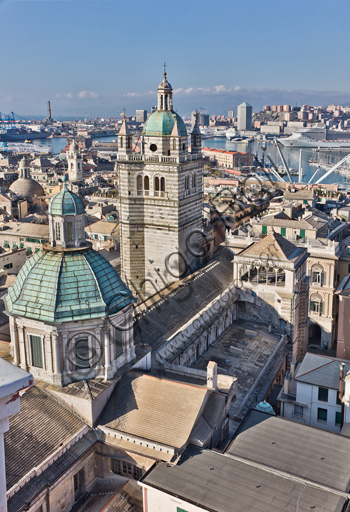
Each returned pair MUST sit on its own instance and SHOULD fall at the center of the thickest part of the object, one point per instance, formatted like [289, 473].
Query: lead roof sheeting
[222, 484]
[298, 449]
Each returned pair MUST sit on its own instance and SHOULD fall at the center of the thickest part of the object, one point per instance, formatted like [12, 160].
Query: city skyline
[97, 57]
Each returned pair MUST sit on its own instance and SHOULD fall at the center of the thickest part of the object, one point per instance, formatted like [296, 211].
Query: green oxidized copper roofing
[66, 203]
[66, 286]
[162, 122]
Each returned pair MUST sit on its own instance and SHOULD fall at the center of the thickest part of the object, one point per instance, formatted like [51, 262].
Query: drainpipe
[341, 392]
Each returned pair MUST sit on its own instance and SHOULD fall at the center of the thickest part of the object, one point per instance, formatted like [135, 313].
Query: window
[162, 184]
[338, 418]
[6, 244]
[322, 415]
[298, 411]
[316, 306]
[118, 342]
[36, 348]
[305, 201]
[317, 277]
[264, 230]
[78, 483]
[82, 353]
[70, 231]
[323, 394]
[9, 265]
[21, 245]
[302, 233]
[339, 402]
[283, 231]
[121, 467]
[58, 231]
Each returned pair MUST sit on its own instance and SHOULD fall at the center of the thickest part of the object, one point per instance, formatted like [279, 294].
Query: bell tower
[75, 164]
[160, 190]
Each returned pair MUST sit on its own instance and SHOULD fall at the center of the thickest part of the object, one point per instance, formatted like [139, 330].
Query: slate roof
[220, 483]
[55, 286]
[35, 432]
[300, 450]
[319, 370]
[165, 317]
[273, 246]
[158, 410]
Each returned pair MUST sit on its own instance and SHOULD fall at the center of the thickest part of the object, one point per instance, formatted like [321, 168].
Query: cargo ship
[19, 135]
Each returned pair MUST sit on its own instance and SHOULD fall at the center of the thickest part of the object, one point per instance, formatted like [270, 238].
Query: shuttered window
[37, 355]
[283, 231]
[264, 230]
[302, 233]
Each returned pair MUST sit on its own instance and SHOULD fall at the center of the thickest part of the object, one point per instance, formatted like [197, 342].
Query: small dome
[67, 285]
[161, 123]
[27, 187]
[265, 407]
[73, 146]
[165, 84]
[66, 203]
[24, 162]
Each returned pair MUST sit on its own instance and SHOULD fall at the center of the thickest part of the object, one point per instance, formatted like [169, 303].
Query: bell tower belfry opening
[160, 190]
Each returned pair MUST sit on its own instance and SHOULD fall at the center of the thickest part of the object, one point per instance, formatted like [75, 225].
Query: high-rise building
[204, 119]
[230, 114]
[244, 116]
[141, 116]
[267, 108]
[286, 108]
[160, 199]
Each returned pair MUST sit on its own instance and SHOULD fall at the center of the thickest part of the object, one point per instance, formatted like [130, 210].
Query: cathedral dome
[161, 123]
[63, 286]
[66, 203]
[27, 187]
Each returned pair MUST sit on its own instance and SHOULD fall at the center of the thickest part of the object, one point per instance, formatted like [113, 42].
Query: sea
[291, 155]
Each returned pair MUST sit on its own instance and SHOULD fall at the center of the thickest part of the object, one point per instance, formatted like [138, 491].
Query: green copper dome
[66, 203]
[161, 123]
[64, 286]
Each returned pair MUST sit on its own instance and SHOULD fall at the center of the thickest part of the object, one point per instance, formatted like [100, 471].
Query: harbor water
[291, 155]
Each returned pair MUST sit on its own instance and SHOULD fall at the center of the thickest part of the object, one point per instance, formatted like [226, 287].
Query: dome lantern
[66, 219]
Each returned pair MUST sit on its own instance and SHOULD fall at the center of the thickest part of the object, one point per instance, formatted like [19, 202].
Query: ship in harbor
[305, 138]
[21, 135]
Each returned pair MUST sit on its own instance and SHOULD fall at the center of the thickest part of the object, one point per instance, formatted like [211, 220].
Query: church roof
[161, 123]
[66, 203]
[156, 409]
[69, 285]
[27, 187]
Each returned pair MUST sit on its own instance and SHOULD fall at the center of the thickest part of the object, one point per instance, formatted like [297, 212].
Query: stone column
[47, 345]
[56, 352]
[22, 347]
[65, 352]
[106, 350]
[14, 342]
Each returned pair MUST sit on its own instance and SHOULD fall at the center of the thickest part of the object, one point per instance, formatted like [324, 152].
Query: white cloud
[137, 94]
[88, 95]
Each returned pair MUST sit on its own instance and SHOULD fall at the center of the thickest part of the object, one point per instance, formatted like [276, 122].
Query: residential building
[27, 235]
[12, 262]
[141, 116]
[229, 159]
[103, 235]
[313, 396]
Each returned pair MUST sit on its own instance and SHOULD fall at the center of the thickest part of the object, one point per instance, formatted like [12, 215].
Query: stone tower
[75, 163]
[160, 199]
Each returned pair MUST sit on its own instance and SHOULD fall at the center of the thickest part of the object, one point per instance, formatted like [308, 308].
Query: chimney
[292, 369]
[286, 384]
[212, 375]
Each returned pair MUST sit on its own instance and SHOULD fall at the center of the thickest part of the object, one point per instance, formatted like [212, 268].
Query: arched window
[146, 185]
[174, 144]
[281, 278]
[121, 142]
[193, 181]
[166, 102]
[317, 275]
[162, 186]
[156, 186]
[316, 304]
[72, 166]
[139, 185]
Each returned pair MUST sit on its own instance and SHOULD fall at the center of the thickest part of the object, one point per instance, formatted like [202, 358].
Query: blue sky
[96, 56]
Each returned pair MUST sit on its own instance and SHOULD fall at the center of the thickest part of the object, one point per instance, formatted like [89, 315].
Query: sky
[98, 56]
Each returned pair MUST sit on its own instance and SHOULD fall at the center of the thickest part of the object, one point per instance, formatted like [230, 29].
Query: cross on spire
[164, 68]
[123, 114]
